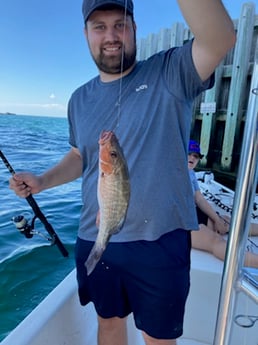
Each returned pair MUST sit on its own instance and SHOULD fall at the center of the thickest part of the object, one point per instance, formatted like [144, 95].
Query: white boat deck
[190, 342]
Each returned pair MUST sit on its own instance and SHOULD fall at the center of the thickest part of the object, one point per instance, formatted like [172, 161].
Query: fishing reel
[26, 228]
[23, 225]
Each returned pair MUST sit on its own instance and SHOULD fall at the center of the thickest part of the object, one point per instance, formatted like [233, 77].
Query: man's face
[111, 40]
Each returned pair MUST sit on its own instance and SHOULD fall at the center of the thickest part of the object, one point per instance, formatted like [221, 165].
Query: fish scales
[113, 201]
[113, 195]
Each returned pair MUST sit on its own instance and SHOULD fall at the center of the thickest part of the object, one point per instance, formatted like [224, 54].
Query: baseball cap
[194, 147]
[88, 6]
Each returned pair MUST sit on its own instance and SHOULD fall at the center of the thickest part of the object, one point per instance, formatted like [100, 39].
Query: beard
[115, 64]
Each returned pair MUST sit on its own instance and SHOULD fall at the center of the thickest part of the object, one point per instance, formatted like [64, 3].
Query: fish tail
[93, 258]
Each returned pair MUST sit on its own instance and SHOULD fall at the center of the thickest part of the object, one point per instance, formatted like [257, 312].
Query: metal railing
[234, 278]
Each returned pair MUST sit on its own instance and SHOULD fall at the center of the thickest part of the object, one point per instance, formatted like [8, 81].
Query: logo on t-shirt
[141, 87]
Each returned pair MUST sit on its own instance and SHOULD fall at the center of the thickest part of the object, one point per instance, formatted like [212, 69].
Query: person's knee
[218, 239]
[153, 341]
[112, 323]
[112, 331]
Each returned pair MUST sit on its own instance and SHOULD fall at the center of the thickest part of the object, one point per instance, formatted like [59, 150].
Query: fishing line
[38, 214]
[119, 101]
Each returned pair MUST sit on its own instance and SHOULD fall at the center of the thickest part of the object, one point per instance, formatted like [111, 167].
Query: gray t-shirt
[153, 129]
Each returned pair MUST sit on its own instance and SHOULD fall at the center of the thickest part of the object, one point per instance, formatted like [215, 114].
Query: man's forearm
[208, 20]
[69, 169]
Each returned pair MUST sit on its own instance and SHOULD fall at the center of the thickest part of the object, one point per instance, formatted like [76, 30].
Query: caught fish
[113, 195]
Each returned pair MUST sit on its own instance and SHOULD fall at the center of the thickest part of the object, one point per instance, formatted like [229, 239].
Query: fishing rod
[22, 224]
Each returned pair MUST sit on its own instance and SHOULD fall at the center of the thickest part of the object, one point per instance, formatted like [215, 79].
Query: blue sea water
[31, 268]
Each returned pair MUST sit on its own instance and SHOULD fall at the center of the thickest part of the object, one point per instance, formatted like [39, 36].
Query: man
[145, 267]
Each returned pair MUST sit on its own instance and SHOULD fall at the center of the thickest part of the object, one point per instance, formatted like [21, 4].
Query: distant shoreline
[7, 113]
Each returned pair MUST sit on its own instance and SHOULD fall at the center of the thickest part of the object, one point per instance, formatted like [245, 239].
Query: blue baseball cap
[194, 147]
[88, 6]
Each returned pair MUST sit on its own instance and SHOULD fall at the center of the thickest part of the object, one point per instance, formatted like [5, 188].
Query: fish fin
[93, 258]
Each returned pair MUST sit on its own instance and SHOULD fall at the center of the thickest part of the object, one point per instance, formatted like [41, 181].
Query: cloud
[52, 96]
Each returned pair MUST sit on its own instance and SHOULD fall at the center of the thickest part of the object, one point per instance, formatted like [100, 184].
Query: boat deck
[190, 342]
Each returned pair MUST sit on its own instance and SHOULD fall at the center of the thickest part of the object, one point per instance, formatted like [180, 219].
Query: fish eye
[113, 154]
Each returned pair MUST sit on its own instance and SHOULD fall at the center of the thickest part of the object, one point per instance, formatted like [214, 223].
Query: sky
[44, 56]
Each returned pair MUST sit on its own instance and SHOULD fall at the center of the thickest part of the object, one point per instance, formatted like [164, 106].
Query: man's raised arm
[213, 31]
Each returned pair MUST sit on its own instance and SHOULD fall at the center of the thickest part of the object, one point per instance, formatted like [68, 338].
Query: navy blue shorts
[149, 278]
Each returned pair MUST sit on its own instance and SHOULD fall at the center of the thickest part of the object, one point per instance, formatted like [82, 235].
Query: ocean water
[31, 268]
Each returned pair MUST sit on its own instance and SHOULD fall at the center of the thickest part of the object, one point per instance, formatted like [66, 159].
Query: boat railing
[235, 277]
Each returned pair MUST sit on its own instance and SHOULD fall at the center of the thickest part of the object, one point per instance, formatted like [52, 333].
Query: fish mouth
[105, 136]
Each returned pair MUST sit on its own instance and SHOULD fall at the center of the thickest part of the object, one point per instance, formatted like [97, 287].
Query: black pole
[32, 202]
